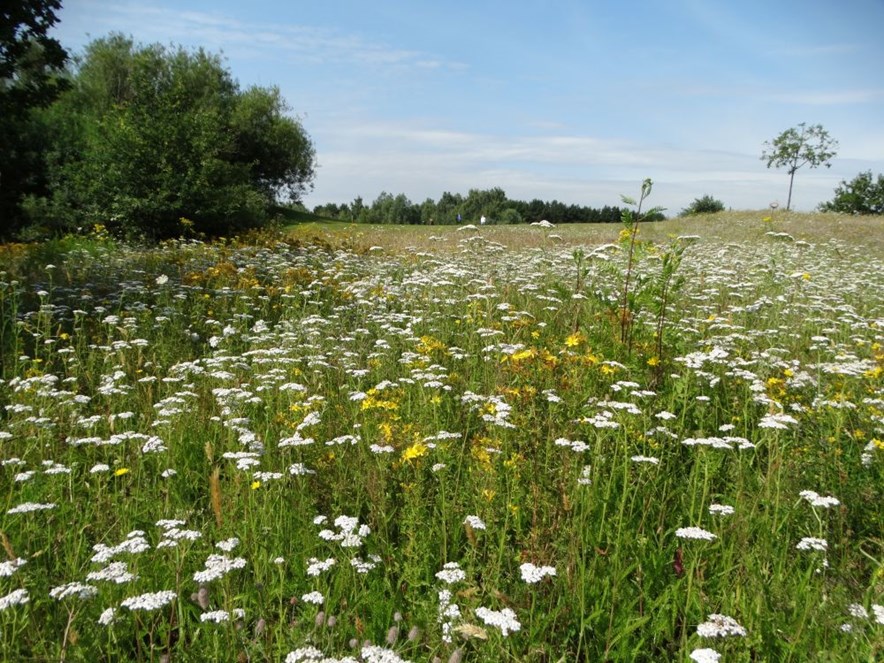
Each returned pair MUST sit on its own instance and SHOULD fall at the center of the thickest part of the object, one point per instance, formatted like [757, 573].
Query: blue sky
[568, 100]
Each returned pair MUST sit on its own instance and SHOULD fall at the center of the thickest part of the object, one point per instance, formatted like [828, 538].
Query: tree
[862, 195]
[705, 205]
[31, 68]
[154, 141]
[797, 147]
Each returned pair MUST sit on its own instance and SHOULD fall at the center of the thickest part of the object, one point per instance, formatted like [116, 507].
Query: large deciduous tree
[154, 141]
[31, 67]
[864, 194]
[797, 147]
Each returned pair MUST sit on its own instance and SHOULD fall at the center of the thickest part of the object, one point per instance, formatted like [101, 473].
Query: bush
[705, 205]
[862, 195]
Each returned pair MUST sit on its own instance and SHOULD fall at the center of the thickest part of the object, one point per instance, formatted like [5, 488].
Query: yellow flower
[416, 450]
[574, 340]
[256, 485]
[121, 471]
[653, 361]
[523, 354]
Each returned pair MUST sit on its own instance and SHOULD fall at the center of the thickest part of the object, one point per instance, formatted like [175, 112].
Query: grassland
[350, 443]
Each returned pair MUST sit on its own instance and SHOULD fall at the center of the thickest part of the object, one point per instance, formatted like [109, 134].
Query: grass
[867, 231]
[442, 450]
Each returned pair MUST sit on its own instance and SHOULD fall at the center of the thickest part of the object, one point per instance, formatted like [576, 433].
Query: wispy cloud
[283, 41]
[829, 97]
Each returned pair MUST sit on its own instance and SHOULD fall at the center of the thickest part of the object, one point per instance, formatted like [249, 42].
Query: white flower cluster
[721, 510]
[317, 566]
[812, 543]
[451, 573]
[365, 565]
[217, 566]
[78, 589]
[133, 544]
[10, 567]
[705, 655]
[218, 616]
[694, 533]
[315, 598]
[27, 507]
[16, 597]
[645, 459]
[150, 601]
[115, 572]
[816, 499]
[350, 533]
[475, 522]
[228, 544]
[448, 612]
[533, 574]
[505, 619]
[720, 626]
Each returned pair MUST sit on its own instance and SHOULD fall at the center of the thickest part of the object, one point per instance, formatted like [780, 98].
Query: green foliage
[861, 195]
[31, 68]
[493, 204]
[797, 147]
[159, 142]
[705, 205]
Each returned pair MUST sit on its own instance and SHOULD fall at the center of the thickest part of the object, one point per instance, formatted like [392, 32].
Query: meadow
[351, 443]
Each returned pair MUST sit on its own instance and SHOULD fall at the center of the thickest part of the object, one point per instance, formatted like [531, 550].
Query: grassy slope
[737, 226]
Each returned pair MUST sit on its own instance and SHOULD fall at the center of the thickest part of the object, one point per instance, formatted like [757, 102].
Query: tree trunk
[791, 180]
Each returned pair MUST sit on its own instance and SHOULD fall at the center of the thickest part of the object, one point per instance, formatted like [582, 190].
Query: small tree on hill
[705, 205]
[800, 146]
[861, 195]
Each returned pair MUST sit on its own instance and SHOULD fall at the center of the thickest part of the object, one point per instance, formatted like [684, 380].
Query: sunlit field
[343, 443]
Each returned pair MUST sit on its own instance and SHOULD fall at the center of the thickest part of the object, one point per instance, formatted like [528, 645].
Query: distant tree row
[454, 208]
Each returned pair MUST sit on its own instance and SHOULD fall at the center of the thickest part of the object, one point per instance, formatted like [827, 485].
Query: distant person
[482, 221]
[459, 219]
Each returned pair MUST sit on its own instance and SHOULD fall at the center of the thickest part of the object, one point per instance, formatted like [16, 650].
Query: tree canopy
[864, 194]
[798, 147]
[31, 68]
[156, 142]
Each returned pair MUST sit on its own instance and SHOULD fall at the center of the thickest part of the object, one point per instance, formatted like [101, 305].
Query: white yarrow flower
[694, 533]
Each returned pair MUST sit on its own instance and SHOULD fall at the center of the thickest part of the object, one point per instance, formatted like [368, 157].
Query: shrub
[705, 205]
[862, 195]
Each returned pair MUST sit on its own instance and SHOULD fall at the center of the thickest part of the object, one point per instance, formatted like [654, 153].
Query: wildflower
[816, 499]
[106, 618]
[705, 655]
[416, 450]
[10, 567]
[585, 476]
[694, 533]
[364, 566]
[451, 573]
[115, 572]
[505, 619]
[721, 510]
[27, 507]
[150, 601]
[216, 616]
[316, 566]
[475, 522]
[162, 279]
[811, 543]
[78, 589]
[99, 467]
[217, 566]
[720, 626]
[16, 597]
[533, 574]
[857, 610]
[313, 597]
[878, 611]
[645, 459]
[304, 655]
[121, 471]
[228, 544]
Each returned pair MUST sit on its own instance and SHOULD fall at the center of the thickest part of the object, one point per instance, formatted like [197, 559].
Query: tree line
[455, 208]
